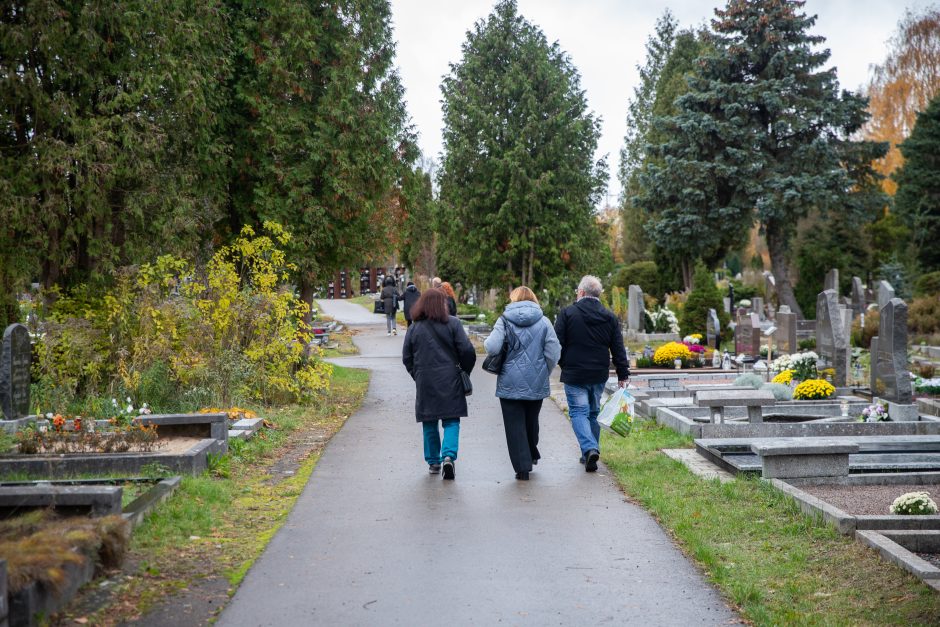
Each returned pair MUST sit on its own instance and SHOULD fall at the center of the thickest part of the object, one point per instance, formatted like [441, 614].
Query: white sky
[605, 40]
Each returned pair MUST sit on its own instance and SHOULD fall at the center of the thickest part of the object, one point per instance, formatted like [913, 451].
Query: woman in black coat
[390, 302]
[434, 347]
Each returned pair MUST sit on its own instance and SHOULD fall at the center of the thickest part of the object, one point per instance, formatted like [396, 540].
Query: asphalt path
[375, 540]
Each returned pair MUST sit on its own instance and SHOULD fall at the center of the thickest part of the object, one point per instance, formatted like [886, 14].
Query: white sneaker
[389, 334]
[394, 331]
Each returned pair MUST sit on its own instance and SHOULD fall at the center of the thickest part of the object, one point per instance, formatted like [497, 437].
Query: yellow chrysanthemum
[784, 377]
[813, 389]
[666, 354]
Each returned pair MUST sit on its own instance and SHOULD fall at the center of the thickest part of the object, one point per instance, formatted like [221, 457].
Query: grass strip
[772, 562]
[217, 524]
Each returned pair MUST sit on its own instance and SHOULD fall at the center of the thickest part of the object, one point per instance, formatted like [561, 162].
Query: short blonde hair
[523, 293]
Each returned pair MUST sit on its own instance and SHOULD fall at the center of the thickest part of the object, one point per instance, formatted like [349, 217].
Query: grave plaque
[14, 372]
[727, 303]
[892, 382]
[757, 306]
[712, 329]
[858, 297]
[636, 320]
[832, 337]
[885, 293]
[832, 281]
[785, 336]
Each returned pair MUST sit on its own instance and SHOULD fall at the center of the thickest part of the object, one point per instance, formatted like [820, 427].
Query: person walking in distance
[436, 282]
[436, 348]
[451, 298]
[590, 336]
[522, 384]
[409, 298]
[390, 302]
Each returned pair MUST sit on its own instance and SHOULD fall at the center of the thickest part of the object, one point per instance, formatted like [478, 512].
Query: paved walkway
[375, 540]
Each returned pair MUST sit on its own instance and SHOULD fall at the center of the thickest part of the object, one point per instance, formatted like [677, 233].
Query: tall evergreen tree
[321, 126]
[764, 130]
[917, 201]
[519, 182]
[109, 134]
[417, 233]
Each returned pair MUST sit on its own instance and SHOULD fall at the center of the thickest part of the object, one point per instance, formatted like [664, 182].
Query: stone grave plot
[874, 454]
[181, 443]
[917, 551]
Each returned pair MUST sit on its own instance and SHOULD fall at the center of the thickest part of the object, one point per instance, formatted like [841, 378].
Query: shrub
[926, 370]
[806, 344]
[642, 273]
[928, 284]
[704, 296]
[923, 316]
[666, 354]
[751, 380]
[861, 337]
[780, 391]
[813, 389]
[913, 504]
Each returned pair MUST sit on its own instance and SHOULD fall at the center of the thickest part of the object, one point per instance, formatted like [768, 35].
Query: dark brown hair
[431, 305]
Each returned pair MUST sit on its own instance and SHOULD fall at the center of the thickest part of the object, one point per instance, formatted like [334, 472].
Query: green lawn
[775, 564]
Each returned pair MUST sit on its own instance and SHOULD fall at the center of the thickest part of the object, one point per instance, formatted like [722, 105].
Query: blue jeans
[434, 450]
[584, 403]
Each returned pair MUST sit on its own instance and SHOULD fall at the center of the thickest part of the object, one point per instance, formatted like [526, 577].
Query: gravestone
[785, 336]
[727, 303]
[858, 297]
[636, 320]
[712, 329]
[890, 378]
[832, 281]
[14, 372]
[885, 293]
[832, 337]
[757, 306]
[747, 335]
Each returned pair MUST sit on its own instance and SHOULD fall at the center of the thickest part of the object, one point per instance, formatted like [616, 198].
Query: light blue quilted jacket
[532, 355]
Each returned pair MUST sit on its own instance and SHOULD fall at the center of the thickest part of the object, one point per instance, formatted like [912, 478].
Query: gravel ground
[867, 500]
[933, 558]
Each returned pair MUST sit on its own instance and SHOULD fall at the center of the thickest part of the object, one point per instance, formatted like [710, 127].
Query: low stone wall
[898, 547]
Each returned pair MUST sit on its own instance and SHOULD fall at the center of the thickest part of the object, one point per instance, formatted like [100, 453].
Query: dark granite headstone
[15, 357]
[712, 329]
[885, 293]
[636, 319]
[892, 381]
[832, 338]
[785, 336]
[858, 297]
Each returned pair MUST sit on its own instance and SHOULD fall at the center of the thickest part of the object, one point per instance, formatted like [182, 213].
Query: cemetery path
[375, 540]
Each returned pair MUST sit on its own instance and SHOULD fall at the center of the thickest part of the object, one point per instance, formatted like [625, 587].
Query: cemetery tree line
[131, 129]
[519, 182]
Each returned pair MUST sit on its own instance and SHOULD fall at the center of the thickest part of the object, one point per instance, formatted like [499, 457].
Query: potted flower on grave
[876, 412]
[813, 389]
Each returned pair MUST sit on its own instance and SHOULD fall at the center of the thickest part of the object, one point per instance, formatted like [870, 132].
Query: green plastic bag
[617, 413]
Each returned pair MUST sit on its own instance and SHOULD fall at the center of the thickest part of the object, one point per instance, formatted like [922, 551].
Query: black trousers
[521, 421]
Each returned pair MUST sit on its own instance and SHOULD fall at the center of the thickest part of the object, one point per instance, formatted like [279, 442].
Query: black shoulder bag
[464, 377]
[494, 363]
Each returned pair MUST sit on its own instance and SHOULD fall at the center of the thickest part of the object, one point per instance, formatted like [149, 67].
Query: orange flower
[58, 422]
[77, 423]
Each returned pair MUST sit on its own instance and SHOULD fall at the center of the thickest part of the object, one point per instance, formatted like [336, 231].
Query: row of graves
[861, 454]
[101, 474]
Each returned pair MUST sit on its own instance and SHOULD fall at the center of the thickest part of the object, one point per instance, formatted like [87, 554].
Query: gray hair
[591, 286]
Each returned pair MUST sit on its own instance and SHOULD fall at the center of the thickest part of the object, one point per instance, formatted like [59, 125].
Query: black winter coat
[409, 299]
[590, 335]
[390, 299]
[431, 363]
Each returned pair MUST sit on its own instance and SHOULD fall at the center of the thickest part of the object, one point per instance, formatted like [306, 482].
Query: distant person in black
[390, 302]
[590, 335]
[451, 298]
[409, 298]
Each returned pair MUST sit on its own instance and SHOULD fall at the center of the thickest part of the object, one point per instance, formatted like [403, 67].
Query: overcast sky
[605, 39]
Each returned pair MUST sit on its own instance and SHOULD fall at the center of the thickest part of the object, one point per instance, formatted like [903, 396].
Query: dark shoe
[434, 468]
[590, 460]
[522, 476]
[448, 468]
[581, 461]
[535, 461]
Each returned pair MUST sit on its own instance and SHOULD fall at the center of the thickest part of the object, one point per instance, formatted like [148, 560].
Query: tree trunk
[686, 266]
[777, 245]
[531, 273]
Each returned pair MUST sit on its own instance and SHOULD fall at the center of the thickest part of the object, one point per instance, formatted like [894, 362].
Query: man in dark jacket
[408, 300]
[589, 335]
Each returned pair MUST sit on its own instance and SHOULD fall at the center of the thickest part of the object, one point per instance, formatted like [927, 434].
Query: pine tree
[763, 133]
[519, 182]
[917, 200]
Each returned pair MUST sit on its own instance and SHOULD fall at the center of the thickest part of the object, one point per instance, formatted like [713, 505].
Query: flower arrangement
[664, 321]
[804, 365]
[784, 377]
[763, 349]
[781, 363]
[927, 386]
[913, 504]
[813, 389]
[697, 349]
[876, 412]
[695, 338]
[827, 373]
[666, 354]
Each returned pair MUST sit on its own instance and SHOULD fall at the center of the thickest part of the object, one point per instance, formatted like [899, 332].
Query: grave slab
[15, 357]
[96, 500]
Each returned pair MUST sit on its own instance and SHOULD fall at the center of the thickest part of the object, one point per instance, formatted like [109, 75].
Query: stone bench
[754, 400]
[788, 458]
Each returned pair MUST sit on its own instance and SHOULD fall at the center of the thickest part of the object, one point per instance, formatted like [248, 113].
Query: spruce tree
[917, 200]
[518, 182]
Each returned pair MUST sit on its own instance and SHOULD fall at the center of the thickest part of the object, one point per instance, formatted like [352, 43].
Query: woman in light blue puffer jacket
[523, 383]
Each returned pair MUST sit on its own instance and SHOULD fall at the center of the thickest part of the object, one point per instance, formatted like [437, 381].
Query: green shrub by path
[705, 295]
[777, 565]
[928, 284]
[923, 315]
